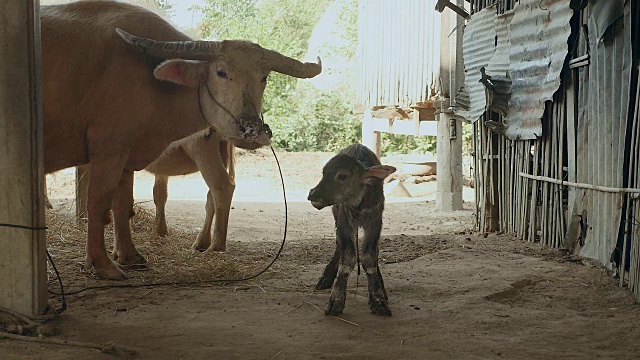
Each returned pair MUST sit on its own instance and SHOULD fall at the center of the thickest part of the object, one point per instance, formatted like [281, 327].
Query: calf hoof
[334, 307]
[129, 259]
[380, 308]
[324, 283]
[109, 270]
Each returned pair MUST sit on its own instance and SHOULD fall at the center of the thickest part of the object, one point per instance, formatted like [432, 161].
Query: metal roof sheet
[523, 53]
[478, 46]
[538, 31]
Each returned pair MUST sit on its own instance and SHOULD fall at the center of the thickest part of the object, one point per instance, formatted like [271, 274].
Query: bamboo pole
[581, 185]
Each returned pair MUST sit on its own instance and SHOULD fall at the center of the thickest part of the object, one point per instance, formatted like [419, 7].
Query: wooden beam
[441, 4]
[404, 127]
[23, 277]
[370, 137]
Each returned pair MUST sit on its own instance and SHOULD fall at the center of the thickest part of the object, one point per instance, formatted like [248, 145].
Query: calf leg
[330, 271]
[122, 206]
[160, 195]
[346, 233]
[105, 174]
[369, 258]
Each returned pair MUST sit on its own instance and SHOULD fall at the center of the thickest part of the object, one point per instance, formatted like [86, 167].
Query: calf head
[343, 181]
[230, 76]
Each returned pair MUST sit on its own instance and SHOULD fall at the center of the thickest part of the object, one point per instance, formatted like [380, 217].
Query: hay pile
[170, 259]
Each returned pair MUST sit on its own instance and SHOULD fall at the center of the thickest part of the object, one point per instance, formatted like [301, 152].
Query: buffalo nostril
[242, 129]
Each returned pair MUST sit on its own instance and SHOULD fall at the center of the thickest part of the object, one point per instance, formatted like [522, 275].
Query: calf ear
[378, 172]
[182, 72]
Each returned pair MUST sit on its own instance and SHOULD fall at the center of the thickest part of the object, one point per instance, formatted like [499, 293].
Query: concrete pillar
[23, 277]
[449, 142]
[449, 163]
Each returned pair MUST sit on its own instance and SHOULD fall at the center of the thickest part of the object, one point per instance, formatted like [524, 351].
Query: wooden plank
[370, 137]
[403, 127]
[23, 277]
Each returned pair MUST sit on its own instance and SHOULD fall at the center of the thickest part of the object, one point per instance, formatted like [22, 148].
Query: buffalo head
[230, 77]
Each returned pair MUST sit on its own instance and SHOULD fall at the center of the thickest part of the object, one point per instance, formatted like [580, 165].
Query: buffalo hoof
[162, 231]
[379, 308]
[133, 258]
[217, 247]
[109, 270]
[196, 248]
[334, 307]
[324, 282]
[202, 243]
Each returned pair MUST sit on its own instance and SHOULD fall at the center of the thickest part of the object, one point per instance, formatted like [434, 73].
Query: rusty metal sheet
[607, 106]
[478, 46]
[538, 35]
[500, 62]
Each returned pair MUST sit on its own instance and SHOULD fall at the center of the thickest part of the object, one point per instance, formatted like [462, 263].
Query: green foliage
[312, 121]
[405, 144]
[165, 6]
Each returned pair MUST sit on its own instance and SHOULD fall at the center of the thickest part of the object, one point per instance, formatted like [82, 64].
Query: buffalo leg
[203, 241]
[105, 174]
[123, 250]
[160, 195]
[369, 258]
[223, 190]
[211, 163]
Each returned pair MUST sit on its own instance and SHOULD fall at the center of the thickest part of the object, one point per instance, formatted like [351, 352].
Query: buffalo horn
[292, 67]
[188, 50]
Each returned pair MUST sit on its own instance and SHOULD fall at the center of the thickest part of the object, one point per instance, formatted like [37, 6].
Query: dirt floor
[454, 294]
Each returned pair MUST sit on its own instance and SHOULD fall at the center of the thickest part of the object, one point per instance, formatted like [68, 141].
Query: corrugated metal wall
[576, 186]
[398, 44]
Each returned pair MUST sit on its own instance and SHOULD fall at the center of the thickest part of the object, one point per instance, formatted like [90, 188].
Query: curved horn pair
[205, 50]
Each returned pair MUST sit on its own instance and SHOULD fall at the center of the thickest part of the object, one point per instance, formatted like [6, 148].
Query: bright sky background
[183, 17]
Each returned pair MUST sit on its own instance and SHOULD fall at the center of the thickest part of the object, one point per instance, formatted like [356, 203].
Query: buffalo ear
[182, 72]
[378, 173]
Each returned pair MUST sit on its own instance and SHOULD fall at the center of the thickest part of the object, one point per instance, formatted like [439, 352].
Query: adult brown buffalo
[116, 101]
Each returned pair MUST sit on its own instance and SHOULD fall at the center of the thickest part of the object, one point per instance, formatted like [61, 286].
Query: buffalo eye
[222, 74]
[342, 177]
[264, 79]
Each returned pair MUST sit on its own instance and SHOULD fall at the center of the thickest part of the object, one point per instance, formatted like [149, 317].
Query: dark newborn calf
[352, 183]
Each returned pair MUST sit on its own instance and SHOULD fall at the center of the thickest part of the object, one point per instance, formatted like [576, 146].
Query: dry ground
[454, 294]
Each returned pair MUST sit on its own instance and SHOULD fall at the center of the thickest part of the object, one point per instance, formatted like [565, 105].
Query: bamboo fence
[577, 186]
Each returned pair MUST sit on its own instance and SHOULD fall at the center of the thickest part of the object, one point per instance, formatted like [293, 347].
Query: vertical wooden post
[82, 186]
[449, 142]
[370, 138]
[492, 205]
[23, 277]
